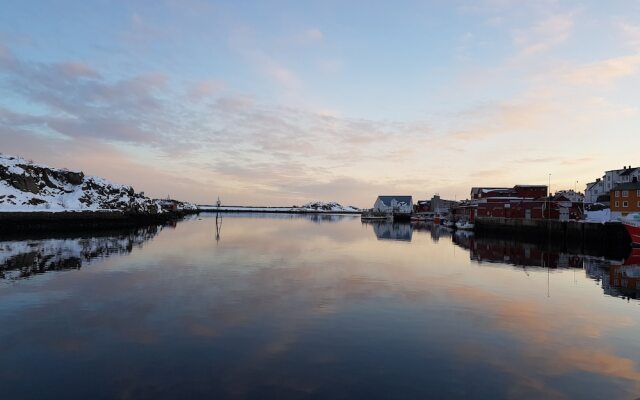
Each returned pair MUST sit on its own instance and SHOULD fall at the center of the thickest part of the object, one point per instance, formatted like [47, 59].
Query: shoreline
[17, 222]
[272, 210]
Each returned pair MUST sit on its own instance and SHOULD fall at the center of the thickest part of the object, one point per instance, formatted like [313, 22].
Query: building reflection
[618, 276]
[21, 259]
[618, 279]
[435, 231]
[311, 217]
[388, 230]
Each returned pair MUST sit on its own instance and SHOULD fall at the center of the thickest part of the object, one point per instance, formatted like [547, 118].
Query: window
[617, 193]
[625, 204]
[638, 193]
[625, 193]
[639, 204]
[617, 204]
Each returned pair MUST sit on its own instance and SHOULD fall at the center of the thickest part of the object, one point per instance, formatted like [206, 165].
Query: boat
[632, 223]
[425, 216]
[375, 217]
[370, 215]
[464, 225]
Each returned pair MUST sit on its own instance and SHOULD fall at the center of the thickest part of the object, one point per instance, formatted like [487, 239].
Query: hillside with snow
[329, 207]
[28, 187]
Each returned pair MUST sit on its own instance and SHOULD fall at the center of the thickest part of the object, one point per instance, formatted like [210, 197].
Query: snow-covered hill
[25, 187]
[331, 207]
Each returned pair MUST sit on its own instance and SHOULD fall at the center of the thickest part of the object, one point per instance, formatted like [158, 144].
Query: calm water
[312, 307]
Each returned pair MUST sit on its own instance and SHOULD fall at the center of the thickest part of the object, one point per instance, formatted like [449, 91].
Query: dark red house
[529, 209]
[520, 191]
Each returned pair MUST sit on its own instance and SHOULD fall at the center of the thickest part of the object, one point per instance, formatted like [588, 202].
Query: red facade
[521, 191]
[467, 213]
[529, 209]
[530, 191]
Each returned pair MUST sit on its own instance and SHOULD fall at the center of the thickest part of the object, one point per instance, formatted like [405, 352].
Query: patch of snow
[598, 216]
[28, 187]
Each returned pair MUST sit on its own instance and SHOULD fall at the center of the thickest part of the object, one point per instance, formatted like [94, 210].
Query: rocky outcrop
[26, 186]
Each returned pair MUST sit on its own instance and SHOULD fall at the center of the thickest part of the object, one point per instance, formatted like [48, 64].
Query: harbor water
[260, 306]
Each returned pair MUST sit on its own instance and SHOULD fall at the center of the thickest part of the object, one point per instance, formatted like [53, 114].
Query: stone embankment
[610, 235]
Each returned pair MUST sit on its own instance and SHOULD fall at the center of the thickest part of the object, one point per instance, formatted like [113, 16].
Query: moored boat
[464, 225]
[632, 223]
[375, 217]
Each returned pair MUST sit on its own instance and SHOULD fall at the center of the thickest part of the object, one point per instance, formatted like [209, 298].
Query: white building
[570, 195]
[593, 191]
[394, 204]
[602, 186]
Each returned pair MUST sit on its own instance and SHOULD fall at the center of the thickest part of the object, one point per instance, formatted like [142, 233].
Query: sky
[284, 102]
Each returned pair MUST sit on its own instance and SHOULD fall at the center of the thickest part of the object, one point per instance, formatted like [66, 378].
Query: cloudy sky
[282, 102]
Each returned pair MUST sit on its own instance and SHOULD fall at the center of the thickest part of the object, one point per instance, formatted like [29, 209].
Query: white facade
[393, 204]
[571, 195]
[593, 190]
[610, 179]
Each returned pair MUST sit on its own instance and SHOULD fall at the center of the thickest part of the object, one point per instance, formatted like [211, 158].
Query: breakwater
[610, 236]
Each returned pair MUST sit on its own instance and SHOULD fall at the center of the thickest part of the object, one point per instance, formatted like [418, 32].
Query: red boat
[632, 224]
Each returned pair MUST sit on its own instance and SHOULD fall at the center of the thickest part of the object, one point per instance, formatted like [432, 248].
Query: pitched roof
[400, 199]
[590, 185]
[628, 171]
[627, 186]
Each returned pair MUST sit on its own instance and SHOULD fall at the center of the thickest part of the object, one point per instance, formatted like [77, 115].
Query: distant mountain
[27, 187]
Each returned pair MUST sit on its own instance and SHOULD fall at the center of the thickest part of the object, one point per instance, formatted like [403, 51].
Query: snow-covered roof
[399, 199]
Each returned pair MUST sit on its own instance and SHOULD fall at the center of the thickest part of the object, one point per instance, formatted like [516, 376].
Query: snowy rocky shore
[38, 195]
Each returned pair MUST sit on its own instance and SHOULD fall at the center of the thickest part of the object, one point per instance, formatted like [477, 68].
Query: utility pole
[549, 199]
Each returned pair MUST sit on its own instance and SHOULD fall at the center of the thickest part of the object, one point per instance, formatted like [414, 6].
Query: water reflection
[618, 277]
[388, 230]
[311, 217]
[403, 231]
[20, 259]
[286, 307]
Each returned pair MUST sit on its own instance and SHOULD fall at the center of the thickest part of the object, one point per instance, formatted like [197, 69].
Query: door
[564, 214]
[527, 214]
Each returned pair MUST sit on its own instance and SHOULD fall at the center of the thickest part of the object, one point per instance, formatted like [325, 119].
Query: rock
[35, 202]
[74, 178]
[24, 183]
